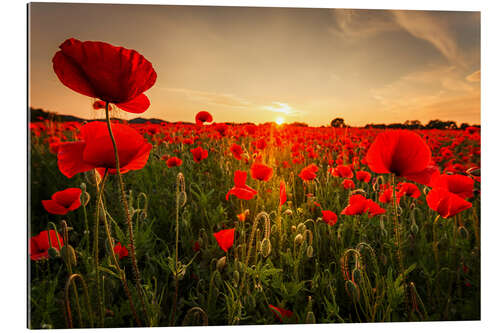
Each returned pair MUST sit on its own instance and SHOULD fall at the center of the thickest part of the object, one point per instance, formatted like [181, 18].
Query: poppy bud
[310, 318]
[356, 275]
[221, 263]
[299, 239]
[288, 212]
[236, 276]
[53, 253]
[352, 290]
[301, 227]
[414, 228]
[463, 232]
[68, 254]
[309, 251]
[294, 228]
[83, 186]
[265, 247]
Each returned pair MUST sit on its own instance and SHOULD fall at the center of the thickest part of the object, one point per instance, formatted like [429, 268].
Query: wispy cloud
[360, 23]
[280, 107]
[212, 97]
[474, 77]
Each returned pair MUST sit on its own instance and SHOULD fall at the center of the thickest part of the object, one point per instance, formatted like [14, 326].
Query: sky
[250, 64]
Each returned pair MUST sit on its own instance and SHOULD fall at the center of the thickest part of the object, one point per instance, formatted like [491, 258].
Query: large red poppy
[39, 244]
[203, 117]
[173, 162]
[225, 239]
[111, 73]
[358, 205]
[446, 203]
[96, 150]
[309, 172]
[199, 154]
[403, 153]
[343, 171]
[261, 171]
[363, 176]
[240, 189]
[329, 217]
[64, 201]
[460, 185]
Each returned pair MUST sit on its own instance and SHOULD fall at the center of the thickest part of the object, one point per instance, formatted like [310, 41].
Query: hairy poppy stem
[115, 261]
[96, 257]
[399, 253]
[137, 275]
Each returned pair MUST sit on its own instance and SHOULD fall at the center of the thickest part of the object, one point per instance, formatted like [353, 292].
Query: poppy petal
[70, 159]
[137, 105]
[54, 207]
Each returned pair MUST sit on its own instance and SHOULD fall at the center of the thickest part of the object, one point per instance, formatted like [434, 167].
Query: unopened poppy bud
[288, 212]
[414, 228]
[299, 239]
[221, 263]
[310, 318]
[294, 228]
[236, 276]
[309, 251]
[68, 254]
[53, 253]
[301, 227]
[356, 275]
[352, 290]
[265, 247]
[83, 187]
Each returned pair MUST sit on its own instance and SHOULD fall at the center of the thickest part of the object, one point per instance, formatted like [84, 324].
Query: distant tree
[464, 126]
[439, 124]
[299, 124]
[338, 122]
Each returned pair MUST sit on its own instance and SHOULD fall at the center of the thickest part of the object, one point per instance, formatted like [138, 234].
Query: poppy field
[213, 223]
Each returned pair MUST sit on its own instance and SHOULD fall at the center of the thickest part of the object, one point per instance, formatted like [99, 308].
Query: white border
[13, 156]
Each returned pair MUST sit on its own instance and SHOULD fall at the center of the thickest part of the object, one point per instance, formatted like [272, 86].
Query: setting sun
[280, 120]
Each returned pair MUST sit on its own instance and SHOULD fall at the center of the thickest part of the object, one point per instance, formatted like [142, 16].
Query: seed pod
[53, 253]
[309, 251]
[299, 239]
[265, 247]
[221, 263]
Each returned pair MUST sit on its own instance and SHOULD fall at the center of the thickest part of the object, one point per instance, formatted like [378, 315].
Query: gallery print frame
[260, 171]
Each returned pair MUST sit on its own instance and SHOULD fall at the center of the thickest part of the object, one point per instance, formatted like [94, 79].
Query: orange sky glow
[274, 64]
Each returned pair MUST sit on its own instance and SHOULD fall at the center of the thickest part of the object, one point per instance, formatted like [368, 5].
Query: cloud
[279, 107]
[360, 23]
[474, 77]
[212, 98]
[432, 28]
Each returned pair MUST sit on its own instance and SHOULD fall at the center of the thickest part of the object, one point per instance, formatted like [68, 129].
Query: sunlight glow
[280, 120]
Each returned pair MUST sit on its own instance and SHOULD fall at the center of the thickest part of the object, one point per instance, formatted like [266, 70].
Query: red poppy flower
[358, 205]
[348, 184]
[203, 117]
[329, 217]
[460, 185]
[309, 172]
[408, 189]
[100, 70]
[39, 244]
[240, 189]
[199, 154]
[261, 171]
[363, 176]
[343, 171]
[386, 195]
[446, 203]
[96, 150]
[225, 238]
[242, 216]
[120, 250]
[98, 105]
[282, 193]
[174, 162]
[236, 150]
[63, 202]
[403, 153]
[280, 313]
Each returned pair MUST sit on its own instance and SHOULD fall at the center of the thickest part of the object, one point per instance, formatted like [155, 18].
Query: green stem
[96, 256]
[137, 275]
